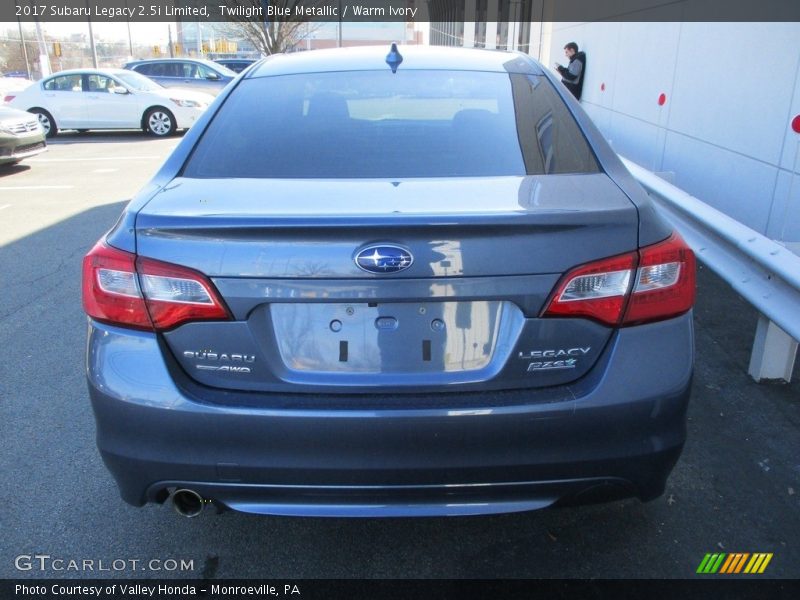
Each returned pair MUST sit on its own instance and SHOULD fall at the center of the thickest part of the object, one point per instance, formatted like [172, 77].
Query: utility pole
[91, 37]
[128, 23]
[91, 44]
[199, 39]
[24, 49]
[44, 57]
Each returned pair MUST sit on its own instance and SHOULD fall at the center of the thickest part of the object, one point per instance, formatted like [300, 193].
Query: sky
[156, 33]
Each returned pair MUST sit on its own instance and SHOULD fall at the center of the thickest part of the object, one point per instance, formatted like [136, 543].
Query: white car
[11, 86]
[86, 99]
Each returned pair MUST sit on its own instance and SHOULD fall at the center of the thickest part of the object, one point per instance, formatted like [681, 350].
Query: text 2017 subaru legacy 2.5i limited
[365, 284]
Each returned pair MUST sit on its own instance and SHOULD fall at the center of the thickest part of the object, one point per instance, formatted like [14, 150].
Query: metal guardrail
[764, 272]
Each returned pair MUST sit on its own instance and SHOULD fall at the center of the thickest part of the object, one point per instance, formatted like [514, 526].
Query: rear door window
[146, 69]
[188, 70]
[64, 83]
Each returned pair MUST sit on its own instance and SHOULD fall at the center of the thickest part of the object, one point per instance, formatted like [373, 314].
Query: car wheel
[160, 122]
[47, 121]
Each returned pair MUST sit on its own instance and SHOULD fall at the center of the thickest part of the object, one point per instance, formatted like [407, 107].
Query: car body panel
[414, 58]
[21, 136]
[11, 85]
[626, 424]
[449, 223]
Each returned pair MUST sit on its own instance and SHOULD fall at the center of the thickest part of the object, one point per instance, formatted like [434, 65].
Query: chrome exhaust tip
[187, 503]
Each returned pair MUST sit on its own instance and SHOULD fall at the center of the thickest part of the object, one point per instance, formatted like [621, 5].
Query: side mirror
[120, 90]
[213, 76]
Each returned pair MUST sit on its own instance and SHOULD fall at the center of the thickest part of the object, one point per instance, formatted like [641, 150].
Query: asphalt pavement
[735, 489]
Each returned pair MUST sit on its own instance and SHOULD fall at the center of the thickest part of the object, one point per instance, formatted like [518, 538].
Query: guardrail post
[774, 352]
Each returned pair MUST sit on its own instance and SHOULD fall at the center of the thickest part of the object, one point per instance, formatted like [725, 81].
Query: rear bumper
[186, 117]
[617, 432]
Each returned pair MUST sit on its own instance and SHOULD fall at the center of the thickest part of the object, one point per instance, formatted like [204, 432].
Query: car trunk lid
[487, 252]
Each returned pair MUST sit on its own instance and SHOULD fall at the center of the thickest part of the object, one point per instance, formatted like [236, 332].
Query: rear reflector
[653, 284]
[145, 294]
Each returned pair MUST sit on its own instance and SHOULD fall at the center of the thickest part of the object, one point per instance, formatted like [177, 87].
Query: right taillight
[143, 293]
[665, 282]
[655, 283]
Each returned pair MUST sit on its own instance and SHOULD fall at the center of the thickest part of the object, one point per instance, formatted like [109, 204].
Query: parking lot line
[36, 187]
[104, 170]
[37, 160]
[4, 206]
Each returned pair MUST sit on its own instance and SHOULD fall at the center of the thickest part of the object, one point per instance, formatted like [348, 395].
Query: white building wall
[732, 90]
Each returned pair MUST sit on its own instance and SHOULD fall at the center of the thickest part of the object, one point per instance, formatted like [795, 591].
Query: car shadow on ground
[121, 136]
[6, 170]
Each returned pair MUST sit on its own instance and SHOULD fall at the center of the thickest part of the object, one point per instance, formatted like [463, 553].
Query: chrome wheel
[46, 121]
[160, 122]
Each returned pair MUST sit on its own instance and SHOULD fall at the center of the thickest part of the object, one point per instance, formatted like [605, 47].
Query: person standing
[572, 75]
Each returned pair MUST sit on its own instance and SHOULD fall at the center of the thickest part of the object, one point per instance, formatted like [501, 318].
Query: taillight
[176, 294]
[9, 98]
[111, 290]
[597, 290]
[665, 282]
[144, 293]
[655, 283]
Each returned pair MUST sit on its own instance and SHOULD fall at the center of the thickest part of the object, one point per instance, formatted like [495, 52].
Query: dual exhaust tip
[187, 503]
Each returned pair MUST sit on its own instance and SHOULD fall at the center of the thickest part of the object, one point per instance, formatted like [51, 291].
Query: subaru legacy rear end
[390, 285]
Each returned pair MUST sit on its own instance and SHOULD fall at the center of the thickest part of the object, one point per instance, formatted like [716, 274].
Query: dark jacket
[572, 76]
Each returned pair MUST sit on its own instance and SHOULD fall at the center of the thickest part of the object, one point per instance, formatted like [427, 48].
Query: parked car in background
[237, 65]
[411, 284]
[21, 136]
[190, 73]
[86, 99]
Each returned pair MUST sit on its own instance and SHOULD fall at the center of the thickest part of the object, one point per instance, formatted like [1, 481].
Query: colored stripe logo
[737, 562]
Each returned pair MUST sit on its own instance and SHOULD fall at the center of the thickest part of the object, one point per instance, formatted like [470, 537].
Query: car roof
[210, 63]
[87, 71]
[368, 58]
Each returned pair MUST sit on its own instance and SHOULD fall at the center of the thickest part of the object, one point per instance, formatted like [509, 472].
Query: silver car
[403, 284]
[189, 73]
[21, 136]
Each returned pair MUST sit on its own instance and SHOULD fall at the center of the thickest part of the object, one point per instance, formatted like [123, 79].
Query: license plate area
[393, 338]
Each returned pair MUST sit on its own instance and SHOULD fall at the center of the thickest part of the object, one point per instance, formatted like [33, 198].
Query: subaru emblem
[383, 258]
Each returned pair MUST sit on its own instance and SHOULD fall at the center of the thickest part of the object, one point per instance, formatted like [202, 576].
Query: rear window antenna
[394, 58]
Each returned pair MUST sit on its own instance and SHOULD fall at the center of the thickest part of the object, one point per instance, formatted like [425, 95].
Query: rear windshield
[376, 124]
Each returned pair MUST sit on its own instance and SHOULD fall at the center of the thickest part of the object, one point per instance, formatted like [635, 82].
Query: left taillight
[143, 293]
[653, 284]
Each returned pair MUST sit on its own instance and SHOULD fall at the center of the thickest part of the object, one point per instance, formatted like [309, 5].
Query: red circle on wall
[602, 87]
[796, 124]
[662, 99]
